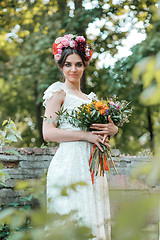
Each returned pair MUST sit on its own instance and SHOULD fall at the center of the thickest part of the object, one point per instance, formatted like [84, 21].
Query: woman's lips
[73, 75]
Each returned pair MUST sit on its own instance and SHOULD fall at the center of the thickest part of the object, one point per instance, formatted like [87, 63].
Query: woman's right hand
[96, 139]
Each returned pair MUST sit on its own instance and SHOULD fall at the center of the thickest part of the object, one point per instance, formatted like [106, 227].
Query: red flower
[55, 49]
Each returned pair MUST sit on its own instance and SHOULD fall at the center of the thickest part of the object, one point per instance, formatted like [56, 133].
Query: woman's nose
[73, 68]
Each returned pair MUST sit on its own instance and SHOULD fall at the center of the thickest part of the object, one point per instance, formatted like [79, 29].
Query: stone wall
[33, 163]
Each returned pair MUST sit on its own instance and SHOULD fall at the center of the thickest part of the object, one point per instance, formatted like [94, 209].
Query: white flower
[58, 40]
[87, 51]
[59, 51]
[72, 44]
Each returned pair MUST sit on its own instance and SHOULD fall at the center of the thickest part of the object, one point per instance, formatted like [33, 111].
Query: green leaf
[1, 166]
[28, 198]
[19, 136]
[4, 122]
[11, 137]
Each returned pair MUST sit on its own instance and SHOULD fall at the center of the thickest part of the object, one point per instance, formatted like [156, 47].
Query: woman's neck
[73, 86]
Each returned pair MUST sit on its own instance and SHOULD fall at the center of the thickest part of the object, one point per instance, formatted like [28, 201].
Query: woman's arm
[51, 133]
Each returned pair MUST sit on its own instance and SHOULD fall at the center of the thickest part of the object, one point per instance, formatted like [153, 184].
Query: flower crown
[71, 41]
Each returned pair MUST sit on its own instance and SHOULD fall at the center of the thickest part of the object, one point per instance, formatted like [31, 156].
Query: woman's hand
[108, 129]
[96, 139]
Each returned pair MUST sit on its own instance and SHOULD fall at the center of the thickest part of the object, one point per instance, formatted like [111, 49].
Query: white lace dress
[69, 165]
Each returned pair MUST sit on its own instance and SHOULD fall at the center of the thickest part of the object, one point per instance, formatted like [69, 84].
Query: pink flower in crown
[73, 44]
[65, 42]
[57, 57]
[68, 36]
[58, 40]
[80, 39]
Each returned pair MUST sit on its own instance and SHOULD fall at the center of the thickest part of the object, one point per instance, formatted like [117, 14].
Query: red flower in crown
[55, 49]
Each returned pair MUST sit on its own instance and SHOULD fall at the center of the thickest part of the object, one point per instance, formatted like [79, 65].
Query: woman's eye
[79, 64]
[67, 64]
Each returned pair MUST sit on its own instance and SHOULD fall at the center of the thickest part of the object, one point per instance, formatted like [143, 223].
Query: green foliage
[139, 217]
[148, 69]
[119, 80]
[32, 223]
[8, 135]
[4, 231]
[3, 175]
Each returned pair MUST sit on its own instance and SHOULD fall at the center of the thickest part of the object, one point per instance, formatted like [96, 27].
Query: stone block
[10, 183]
[34, 164]
[22, 173]
[28, 151]
[10, 200]
[9, 158]
[8, 192]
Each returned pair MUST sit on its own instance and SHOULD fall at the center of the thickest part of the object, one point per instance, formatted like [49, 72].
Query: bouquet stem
[99, 161]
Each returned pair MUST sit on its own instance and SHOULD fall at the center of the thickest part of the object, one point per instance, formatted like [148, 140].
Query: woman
[71, 161]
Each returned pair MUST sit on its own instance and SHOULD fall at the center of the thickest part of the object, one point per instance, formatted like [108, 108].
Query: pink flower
[80, 39]
[72, 44]
[58, 40]
[111, 103]
[65, 42]
[68, 37]
[57, 57]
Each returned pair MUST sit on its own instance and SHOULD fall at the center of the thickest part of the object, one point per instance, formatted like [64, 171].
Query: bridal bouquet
[97, 112]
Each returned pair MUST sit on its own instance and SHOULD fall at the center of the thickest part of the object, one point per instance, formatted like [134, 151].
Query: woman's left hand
[108, 129]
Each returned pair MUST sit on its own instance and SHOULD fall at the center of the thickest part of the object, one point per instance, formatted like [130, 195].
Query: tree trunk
[150, 128]
[78, 4]
[39, 122]
[62, 6]
[38, 109]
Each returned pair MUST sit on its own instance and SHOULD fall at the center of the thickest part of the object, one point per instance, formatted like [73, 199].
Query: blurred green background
[28, 29]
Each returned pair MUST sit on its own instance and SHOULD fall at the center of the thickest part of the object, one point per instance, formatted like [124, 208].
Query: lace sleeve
[55, 87]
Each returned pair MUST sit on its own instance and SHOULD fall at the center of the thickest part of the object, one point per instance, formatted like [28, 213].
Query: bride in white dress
[71, 161]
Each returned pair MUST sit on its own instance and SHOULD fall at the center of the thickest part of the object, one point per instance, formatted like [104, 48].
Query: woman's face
[73, 68]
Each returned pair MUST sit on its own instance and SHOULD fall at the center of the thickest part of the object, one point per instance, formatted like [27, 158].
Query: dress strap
[55, 87]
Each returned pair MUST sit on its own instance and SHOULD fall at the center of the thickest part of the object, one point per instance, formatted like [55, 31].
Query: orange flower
[99, 104]
[102, 111]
